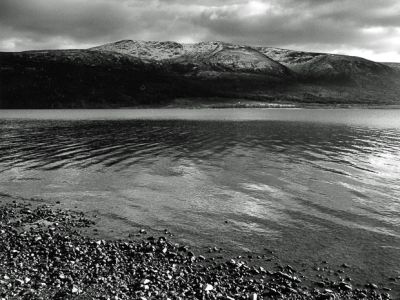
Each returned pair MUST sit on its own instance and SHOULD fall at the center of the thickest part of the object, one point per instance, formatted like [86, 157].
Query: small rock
[372, 286]
[290, 268]
[362, 295]
[145, 281]
[253, 296]
[19, 281]
[345, 287]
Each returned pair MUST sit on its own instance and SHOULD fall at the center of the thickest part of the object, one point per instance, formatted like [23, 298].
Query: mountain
[145, 73]
[394, 66]
[327, 67]
[205, 56]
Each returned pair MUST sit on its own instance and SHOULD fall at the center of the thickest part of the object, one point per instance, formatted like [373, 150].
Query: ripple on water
[301, 187]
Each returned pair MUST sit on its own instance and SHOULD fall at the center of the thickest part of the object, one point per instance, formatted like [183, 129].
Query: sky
[366, 28]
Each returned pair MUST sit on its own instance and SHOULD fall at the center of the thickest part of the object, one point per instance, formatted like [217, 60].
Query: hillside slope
[71, 78]
[145, 50]
[328, 67]
[393, 66]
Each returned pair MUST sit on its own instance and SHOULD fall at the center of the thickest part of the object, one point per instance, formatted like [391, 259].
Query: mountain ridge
[152, 73]
[215, 55]
[310, 65]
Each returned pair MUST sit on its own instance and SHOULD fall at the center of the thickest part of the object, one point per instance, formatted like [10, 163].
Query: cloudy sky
[367, 28]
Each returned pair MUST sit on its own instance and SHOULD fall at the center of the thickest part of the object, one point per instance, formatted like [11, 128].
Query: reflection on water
[310, 190]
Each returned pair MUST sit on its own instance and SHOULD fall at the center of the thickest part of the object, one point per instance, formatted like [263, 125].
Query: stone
[253, 296]
[345, 287]
[208, 287]
[372, 286]
[65, 264]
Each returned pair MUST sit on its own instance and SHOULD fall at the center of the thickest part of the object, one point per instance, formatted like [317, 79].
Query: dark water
[310, 185]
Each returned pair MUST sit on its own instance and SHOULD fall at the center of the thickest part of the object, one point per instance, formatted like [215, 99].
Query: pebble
[371, 286]
[54, 261]
[253, 296]
[345, 286]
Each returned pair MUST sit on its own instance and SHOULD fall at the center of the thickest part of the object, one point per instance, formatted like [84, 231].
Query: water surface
[310, 185]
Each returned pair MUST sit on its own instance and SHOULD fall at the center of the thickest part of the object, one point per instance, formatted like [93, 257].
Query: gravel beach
[47, 253]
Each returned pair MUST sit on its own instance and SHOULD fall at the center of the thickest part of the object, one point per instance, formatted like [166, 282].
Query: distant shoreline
[268, 106]
[219, 107]
[220, 103]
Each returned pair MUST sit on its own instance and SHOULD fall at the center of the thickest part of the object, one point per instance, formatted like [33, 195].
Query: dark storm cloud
[360, 27]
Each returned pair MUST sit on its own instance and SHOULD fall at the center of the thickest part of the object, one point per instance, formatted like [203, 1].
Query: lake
[308, 185]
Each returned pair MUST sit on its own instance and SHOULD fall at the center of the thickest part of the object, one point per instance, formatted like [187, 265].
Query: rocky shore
[45, 253]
